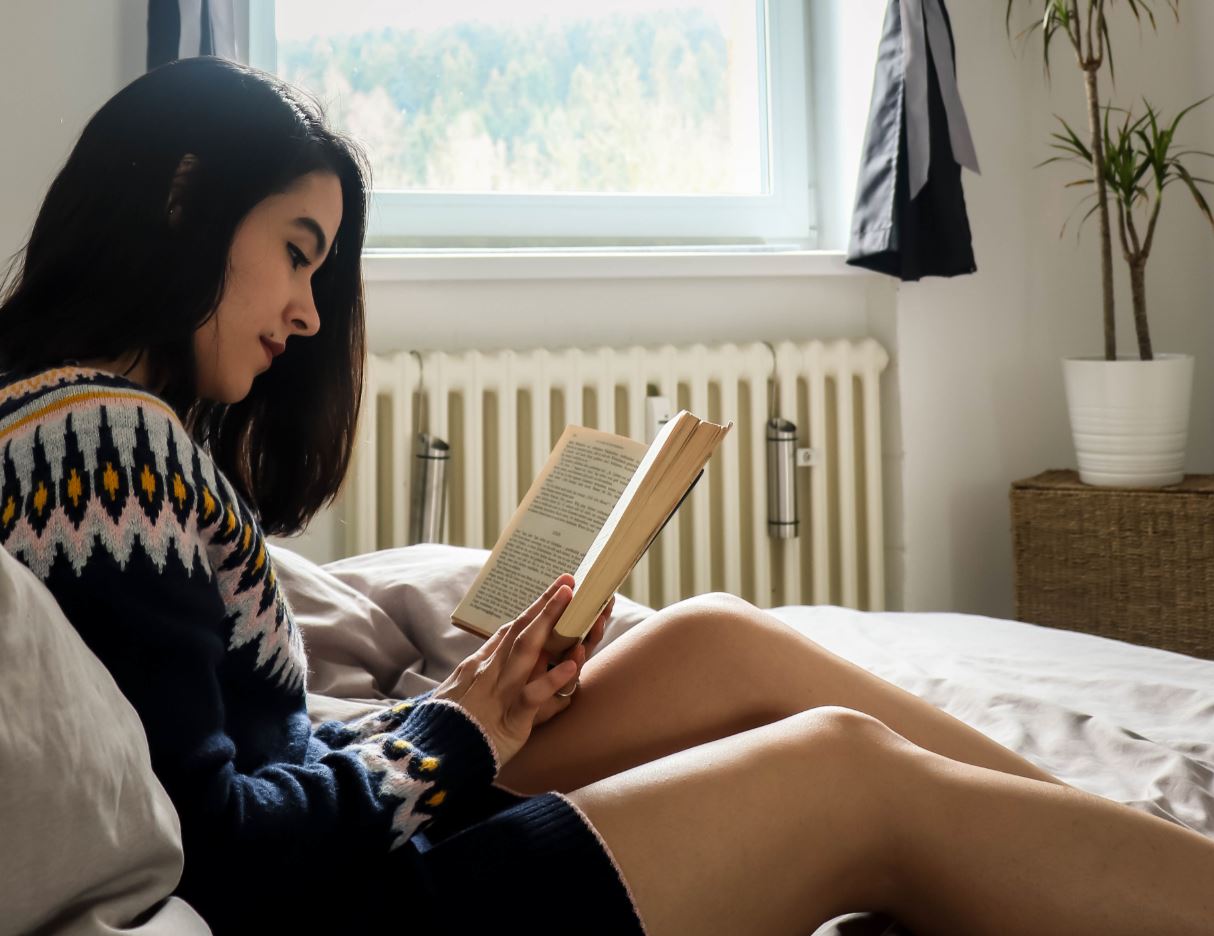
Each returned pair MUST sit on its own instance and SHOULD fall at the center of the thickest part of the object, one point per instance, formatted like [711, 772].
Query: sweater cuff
[448, 731]
[475, 722]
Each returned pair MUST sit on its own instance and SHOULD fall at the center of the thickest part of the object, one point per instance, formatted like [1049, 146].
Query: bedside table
[1131, 563]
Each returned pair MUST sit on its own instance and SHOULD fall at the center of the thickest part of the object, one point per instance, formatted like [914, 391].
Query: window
[542, 122]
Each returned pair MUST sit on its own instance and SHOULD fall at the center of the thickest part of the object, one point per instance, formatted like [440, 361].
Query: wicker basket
[1134, 564]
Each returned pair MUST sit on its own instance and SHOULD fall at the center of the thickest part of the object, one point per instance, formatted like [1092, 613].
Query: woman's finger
[483, 655]
[539, 691]
[542, 664]
[526, 648]
[595, 635]
[596, 632]
[519, 624]
[578, 655]
[538, 605]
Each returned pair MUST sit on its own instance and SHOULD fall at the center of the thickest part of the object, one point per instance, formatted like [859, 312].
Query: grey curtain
[184, 28]
[909, 219]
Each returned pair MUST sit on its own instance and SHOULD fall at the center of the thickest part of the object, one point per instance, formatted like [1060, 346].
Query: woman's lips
[270, 350]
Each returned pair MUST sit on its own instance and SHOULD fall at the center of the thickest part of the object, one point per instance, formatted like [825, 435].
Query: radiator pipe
[429, 506]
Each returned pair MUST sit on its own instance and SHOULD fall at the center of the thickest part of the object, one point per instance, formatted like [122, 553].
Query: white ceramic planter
[1130, 418]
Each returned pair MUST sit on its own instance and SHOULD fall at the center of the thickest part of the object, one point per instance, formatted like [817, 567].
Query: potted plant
[1129, 414]
[1130, 417]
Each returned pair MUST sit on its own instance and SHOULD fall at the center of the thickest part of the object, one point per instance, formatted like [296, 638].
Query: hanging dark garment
[185, 28]
[910, 220]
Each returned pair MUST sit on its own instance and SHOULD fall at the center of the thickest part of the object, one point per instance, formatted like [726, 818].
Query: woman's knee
[837, 723]
[719, 602]
[718, 619]
[858, 747]
[868, 771]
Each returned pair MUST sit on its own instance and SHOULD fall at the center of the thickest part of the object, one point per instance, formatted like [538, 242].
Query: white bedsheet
[1130, 723]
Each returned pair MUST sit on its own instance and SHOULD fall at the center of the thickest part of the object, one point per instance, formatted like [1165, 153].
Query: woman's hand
[504, 684]
[579, 654]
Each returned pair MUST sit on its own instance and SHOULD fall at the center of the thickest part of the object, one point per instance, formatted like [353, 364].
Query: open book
[593, 510]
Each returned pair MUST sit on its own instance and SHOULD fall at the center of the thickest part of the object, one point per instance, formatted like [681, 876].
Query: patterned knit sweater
[163, 570]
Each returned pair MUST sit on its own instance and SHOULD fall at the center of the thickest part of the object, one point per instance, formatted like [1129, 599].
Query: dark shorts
[531, 861]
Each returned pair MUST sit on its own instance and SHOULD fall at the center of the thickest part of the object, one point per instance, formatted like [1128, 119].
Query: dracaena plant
[1140, 159]
[1084, 24]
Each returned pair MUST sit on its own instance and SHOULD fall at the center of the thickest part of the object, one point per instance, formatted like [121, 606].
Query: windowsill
[380, 265]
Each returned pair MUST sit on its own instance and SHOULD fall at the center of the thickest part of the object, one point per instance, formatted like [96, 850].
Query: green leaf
[1054, 159]
[1136, 5]
[1072, 140]
[1108, 48]
[1085, 218]
[1181, 115]
[1083, 221]
[1202, 204]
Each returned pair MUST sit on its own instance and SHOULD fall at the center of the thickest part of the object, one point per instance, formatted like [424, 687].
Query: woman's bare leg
[780, 828]
[710, 667]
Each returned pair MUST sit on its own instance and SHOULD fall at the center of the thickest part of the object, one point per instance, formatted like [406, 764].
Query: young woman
[182, 347]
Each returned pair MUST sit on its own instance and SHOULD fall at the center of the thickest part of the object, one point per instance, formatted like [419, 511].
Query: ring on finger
[565, 695]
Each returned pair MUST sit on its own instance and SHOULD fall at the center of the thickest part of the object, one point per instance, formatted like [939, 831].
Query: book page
[554, 525]
[669, 469]
[672, 437]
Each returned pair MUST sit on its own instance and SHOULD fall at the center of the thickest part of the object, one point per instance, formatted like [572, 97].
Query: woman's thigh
[710, 667]
[771, 831]
[687, 675]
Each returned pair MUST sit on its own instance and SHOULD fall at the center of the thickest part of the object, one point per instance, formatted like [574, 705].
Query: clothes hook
[773, 383]
[428, 500]
[421, 388]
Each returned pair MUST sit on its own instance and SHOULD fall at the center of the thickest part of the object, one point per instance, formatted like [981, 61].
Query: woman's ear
[181, 179]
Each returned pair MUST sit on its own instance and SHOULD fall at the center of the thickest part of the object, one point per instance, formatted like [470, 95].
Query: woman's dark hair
[105, 272]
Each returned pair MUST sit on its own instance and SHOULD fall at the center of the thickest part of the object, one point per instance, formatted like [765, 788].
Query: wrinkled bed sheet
[1129, 723]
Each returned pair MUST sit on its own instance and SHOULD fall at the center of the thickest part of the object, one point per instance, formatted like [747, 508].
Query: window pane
[540, 96]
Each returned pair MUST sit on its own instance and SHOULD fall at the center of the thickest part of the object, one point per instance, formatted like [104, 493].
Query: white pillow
[91, 841]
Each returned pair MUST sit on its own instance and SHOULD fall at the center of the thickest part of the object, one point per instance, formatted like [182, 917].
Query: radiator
[502, 411]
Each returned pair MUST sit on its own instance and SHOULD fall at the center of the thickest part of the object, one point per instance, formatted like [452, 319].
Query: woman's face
[277, 248]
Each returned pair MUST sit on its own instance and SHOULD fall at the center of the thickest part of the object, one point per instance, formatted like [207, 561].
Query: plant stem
[1106, 241]
[1138, 288]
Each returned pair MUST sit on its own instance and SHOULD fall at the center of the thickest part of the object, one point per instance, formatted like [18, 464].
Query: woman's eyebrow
[316, 230]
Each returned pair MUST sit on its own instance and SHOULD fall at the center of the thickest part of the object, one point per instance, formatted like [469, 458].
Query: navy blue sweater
[163, 570]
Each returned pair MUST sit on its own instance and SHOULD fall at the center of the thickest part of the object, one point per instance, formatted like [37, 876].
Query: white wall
[975, 392]
[60, 60]
[982, 395]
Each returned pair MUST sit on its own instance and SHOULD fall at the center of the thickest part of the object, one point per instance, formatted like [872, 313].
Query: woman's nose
[304, 318]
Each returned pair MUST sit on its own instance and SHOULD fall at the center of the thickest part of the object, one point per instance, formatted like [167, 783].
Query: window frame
[785, 216]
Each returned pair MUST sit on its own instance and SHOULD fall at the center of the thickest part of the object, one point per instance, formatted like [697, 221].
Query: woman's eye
[297, 257]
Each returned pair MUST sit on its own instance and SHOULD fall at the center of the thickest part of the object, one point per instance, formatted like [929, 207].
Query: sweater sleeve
[164, 572]
[337, 814]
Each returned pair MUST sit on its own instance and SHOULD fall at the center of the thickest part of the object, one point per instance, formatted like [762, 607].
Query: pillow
[92, 843]
[378, 626]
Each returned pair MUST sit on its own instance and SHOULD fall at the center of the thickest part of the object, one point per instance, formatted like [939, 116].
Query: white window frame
[786, 216]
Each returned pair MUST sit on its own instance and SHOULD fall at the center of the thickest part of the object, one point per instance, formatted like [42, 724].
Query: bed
[1129, 723]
